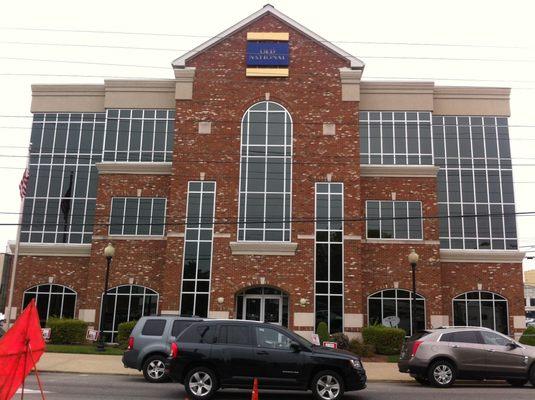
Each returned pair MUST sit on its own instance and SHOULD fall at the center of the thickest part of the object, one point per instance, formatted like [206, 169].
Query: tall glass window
[393, 307]
[197, 266]
[60, 203]
[127, 303]
[52, 301]
[479, 308]
[137, 216]
[329, 245]
[265, 173]
[394, 220]
[475, 178]
[139, 135]
[398, 137]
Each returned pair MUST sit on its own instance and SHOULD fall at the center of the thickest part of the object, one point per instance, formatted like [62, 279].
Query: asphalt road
[95, 387]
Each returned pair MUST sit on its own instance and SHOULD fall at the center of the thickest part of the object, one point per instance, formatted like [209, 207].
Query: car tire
[200, 383]
[532, 375]
[517, 382]
[327, 385]
[422, 380]
[154, 369]
[441, 374]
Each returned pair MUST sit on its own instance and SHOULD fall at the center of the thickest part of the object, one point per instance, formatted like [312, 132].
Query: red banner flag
[20, 349]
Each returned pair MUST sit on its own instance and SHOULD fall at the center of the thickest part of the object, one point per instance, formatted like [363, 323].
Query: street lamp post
[413, 260]
[109, 252]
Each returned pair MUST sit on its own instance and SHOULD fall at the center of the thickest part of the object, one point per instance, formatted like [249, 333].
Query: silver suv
[440, 356]
[148, 345]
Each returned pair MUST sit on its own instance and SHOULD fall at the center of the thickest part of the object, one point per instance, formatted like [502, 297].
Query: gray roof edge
[180, 62]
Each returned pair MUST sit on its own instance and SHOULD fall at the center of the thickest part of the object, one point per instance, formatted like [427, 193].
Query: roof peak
[180, 62]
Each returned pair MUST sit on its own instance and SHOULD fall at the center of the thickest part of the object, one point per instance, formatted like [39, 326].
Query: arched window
[52, 301]
[265, 173]
[386, 305]
[479, 308]
[127, 303]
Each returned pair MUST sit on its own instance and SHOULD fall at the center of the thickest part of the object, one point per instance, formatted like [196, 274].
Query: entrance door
[263, 308]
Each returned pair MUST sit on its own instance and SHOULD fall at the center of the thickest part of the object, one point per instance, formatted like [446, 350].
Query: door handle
[491, 350]
[262, 353]
[455, 346]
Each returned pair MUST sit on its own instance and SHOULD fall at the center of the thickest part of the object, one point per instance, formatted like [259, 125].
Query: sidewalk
[101, 364]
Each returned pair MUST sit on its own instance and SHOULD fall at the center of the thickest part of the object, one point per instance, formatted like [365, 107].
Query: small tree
[323, 332]
[341, 339]
[528, 337]
[124, 331]
[67, 330]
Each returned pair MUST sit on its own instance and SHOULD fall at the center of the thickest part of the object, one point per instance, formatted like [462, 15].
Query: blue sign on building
[268, 53]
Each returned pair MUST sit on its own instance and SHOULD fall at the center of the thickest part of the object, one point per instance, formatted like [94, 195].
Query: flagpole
[17, 246]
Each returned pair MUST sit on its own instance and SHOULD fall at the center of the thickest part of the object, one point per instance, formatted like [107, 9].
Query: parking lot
[87, 386]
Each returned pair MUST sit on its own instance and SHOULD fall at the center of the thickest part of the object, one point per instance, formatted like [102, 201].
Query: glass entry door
[263, 308]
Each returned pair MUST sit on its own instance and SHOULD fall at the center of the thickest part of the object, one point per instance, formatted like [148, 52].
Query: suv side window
[271, 339]
[199, 333]
[494, 339]
[234, 334]
[153, 327]
[179, 326]
[461, 337]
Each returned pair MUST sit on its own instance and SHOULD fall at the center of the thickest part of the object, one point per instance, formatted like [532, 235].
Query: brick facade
[313, 96]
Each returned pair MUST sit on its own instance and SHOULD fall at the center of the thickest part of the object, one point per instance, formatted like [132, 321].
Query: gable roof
[180, 62]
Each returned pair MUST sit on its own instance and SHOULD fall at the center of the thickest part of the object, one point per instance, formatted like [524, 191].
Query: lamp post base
[101, 347]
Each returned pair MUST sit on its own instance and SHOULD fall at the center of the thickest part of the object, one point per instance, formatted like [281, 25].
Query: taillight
[174, 350]
[130, 343]
[415, 347]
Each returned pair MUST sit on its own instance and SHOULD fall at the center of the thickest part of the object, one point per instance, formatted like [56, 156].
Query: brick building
[268, 181]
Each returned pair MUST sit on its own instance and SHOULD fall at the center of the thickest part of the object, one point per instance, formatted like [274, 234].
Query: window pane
[153, 327]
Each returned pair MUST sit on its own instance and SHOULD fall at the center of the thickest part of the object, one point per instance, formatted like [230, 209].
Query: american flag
[24, 183]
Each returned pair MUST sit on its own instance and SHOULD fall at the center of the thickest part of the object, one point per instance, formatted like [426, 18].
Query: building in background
[529, 277]
[5, 276]
[269, 181]
[529, 294]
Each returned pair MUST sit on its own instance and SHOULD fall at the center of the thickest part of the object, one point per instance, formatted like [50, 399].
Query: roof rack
[462, 327]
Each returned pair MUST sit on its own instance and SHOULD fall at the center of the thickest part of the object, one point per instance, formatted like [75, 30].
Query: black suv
[211, 355]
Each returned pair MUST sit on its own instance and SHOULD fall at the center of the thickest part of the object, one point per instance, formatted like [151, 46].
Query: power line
[429, 58]
[237, 38]
[233, 221]
[278, 79]
[361, 122]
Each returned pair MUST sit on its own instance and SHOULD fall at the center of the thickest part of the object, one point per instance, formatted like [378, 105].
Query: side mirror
[512, 345]
[295, 347]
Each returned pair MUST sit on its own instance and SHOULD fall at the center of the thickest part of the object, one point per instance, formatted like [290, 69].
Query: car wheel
[328, 385]
[532, 375]
[422, 380]
[517, 382]
[441, 374]
[154, 369]
[200, 383]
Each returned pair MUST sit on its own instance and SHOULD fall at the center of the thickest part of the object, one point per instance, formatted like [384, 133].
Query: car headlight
[356, 364]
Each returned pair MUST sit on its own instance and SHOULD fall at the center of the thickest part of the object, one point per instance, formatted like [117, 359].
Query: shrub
[66, 330]
[528, 337]
[341, 339]
[361, 349]
[323, 332]
[386, 340]
[124, 331]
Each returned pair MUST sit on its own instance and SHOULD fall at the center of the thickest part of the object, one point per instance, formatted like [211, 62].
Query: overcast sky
[503, 31]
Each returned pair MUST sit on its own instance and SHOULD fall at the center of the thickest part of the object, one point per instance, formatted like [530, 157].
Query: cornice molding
[52, 249]
[410, 171]
[134, 168]
[482, 256]
[263, 248]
